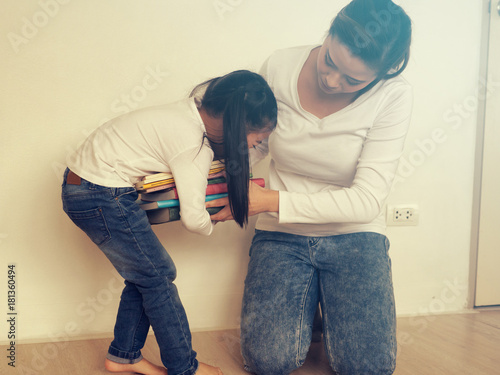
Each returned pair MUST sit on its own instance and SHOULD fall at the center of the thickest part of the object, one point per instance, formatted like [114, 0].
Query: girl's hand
[260, 200]
[222, 215]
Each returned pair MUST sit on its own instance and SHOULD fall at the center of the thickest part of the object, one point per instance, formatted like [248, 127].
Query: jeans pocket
[387, 244]
[92, 222]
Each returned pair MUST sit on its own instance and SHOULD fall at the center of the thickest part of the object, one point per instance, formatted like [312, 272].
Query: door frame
[488, 7]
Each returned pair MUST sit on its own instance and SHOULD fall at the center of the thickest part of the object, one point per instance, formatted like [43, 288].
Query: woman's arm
[376, 167]
[360, 202]
[260, 200]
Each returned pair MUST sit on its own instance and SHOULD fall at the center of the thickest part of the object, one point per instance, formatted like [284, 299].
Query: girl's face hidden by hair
[255, 139]
[338, 71]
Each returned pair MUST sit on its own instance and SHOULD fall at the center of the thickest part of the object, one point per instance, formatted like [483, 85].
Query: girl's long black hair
[246, 104]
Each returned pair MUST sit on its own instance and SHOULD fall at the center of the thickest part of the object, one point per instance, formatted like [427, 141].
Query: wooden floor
[467, 344]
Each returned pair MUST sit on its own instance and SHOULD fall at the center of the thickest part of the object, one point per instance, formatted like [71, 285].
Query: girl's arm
[190, 170]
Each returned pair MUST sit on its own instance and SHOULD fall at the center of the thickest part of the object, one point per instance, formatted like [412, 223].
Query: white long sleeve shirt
[166, 138]
[333, 174]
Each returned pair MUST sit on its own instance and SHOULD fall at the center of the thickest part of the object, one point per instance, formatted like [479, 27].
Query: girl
[98, 195]
[344, 112]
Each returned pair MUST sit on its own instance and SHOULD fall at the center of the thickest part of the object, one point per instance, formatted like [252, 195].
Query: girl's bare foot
[142, 367]
[204, 369]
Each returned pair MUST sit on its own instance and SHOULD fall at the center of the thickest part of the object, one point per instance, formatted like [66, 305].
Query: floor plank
[462, 344]
[450, 344]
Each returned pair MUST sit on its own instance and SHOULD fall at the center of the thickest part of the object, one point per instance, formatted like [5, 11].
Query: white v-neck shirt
[333, 174]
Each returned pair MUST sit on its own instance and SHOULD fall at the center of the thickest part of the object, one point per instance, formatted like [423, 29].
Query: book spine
[216, 188]
[173, 194]
[221, 187]
[157, 188]
[156, 183]
[175, 202]
[165, 184]
[147, 206]
[218, 174]
[216, 168]
[217, 180]
[167, 215]
[159, 196]
[259, 181]
[156, 177]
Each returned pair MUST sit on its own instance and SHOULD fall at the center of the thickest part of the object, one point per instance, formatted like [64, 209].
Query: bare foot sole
[204, 369]
[142, 367]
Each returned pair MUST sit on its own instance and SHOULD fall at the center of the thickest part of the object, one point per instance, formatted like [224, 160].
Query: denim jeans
[120, 228]
[349, 275]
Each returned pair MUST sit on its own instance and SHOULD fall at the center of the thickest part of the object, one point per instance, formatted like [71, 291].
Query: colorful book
[166, 215]
[160, 200]
[164, 178]
[161, 195]
[159, 188]
[144, 186]
[216, 167]
[216, 180]
[173, 202]
[171, 193]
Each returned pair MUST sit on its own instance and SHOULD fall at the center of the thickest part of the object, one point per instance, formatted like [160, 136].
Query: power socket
[405, 214]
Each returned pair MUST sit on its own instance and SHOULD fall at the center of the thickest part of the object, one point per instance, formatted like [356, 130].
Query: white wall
[67, 66]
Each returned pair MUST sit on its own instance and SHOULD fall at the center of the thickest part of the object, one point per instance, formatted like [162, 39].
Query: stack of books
[165, 181]
[159, 197]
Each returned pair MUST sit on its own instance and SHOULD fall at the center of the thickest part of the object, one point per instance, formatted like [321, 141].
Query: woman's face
[339, 72]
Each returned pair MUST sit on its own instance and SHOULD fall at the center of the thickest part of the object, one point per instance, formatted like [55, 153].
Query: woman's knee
[269, 359]
[363, 362]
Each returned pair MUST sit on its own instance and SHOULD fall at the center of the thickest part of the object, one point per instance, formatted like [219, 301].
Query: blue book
[173, 202]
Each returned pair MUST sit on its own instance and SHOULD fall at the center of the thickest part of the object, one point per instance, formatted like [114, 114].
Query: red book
[172, 192]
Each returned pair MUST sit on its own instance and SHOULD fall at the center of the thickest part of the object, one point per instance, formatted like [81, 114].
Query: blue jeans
[349, 275]
[120, 228]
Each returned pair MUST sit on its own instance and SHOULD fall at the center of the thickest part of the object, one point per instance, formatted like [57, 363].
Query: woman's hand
[260, 200]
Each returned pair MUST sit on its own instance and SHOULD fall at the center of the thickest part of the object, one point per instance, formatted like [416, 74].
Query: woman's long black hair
[246, 104]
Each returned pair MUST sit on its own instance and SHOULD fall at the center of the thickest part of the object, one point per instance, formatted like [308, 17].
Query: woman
[344, 112]
[98, 195]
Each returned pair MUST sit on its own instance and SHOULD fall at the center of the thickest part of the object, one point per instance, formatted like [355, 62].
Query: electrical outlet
[405, 214]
